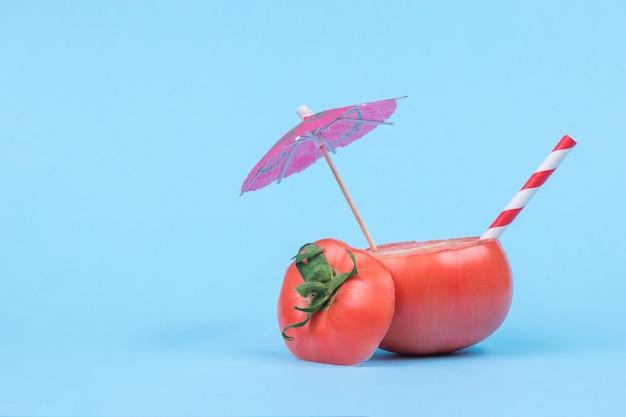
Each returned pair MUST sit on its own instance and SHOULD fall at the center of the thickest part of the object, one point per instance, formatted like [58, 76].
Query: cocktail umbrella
[316, 134]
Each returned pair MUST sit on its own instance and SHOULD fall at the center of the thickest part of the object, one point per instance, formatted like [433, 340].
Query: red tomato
[450, 294]
[354, 320]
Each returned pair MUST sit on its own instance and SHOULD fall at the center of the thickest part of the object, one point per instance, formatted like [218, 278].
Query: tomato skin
[352, 327]
[450, 294]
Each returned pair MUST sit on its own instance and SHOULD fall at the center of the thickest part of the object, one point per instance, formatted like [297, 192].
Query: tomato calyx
[321, 282]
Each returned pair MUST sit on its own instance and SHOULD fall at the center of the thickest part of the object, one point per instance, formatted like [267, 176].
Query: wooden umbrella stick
[348, 199]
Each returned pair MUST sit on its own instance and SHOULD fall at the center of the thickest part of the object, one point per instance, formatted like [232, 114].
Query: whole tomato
[335, 304]
[450, 294]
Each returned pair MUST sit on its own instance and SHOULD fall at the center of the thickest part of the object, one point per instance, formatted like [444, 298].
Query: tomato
[450, 294]
[353, 318]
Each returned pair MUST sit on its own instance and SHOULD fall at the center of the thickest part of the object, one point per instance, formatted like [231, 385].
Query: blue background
[135, 281]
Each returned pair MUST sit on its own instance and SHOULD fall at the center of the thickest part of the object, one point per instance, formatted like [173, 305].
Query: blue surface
[134, 281]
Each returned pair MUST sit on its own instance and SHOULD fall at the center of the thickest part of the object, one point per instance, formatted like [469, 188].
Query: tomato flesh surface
[351, 328]
[450, 294]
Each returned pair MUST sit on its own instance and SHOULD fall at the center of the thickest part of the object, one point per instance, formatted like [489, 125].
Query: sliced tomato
[450, 294]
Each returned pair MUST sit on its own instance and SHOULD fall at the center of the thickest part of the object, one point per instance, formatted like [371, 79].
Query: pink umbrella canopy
[312, 138]
[301, 146]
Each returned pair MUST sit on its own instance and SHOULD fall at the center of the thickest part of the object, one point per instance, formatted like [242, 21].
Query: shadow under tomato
[384, 358]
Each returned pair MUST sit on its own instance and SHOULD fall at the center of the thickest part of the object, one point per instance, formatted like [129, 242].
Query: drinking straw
[529, 189]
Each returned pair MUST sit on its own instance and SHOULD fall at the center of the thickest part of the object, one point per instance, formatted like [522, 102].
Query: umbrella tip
[304, 111]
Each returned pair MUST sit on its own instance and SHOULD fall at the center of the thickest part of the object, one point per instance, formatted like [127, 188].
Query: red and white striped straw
[529, 189]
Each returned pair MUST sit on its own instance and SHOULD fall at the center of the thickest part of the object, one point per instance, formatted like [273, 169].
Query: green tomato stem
[321, 282]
